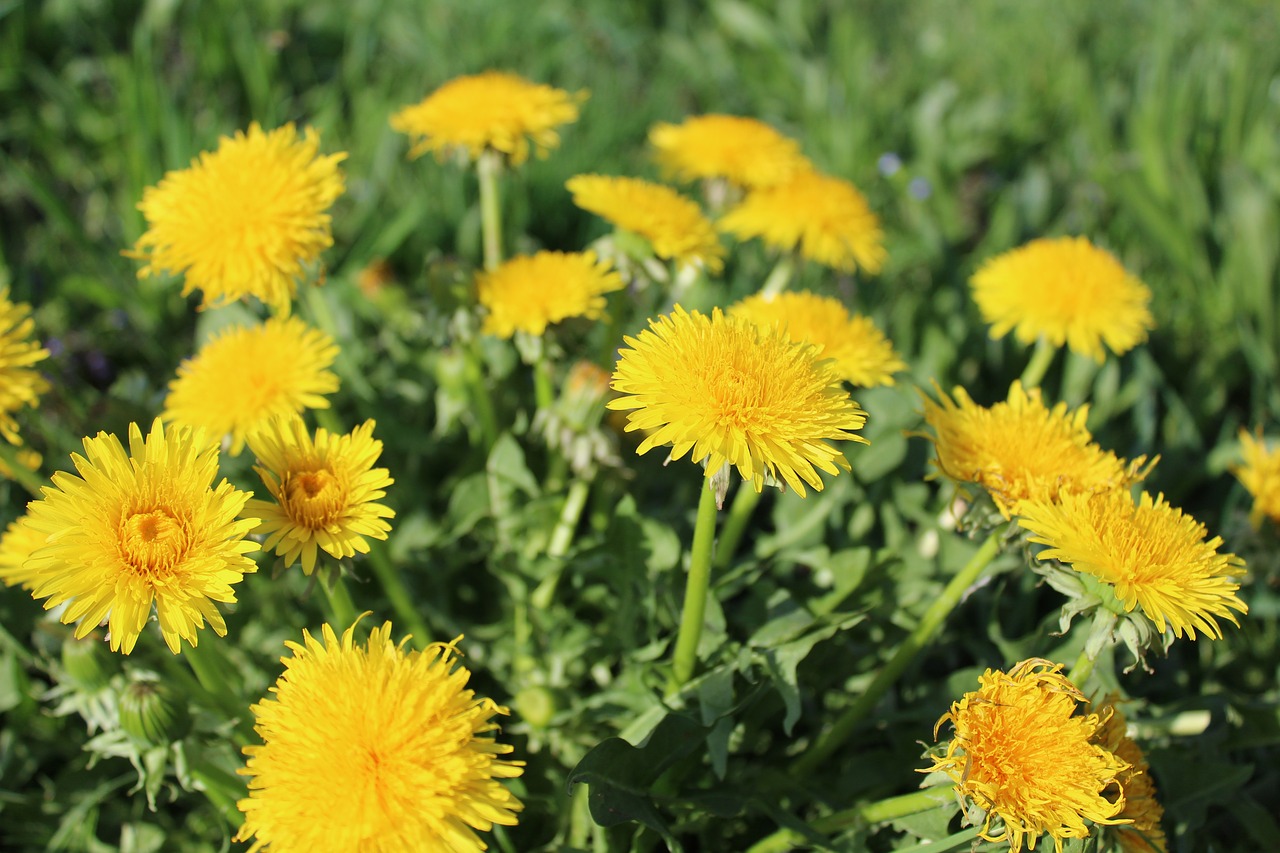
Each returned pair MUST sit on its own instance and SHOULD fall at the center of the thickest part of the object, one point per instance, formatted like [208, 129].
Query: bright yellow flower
[494, 110]
[1065, 290]
[530, 292]
[141, 528]
[1020, 450]
[20, 385]
[673, 225]
[244, 377]
[1260, 475]
[826, 218]
[18, 543]
[1143, 833]
[245, 220]
[863, 355]
[1153, 555]
[1023, 754]
[724, 391]
[323, 489]
[743, 151]
[375, 748]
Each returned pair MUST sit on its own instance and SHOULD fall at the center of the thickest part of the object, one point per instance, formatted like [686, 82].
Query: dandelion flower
[1019, 450]
[1065, 290]
[863, 355]
[245, 376]
[1153, 556]
[141, 528]
[826, 218]
[724, 391]
[743, 151]
[673, 224]
[245, 220]
[324, 491]
[372, 747]
[1260, 475]
[20, 385]
[1143, 832]
[494, 110]
[530, 292]
[20, 540]
[1023, 754]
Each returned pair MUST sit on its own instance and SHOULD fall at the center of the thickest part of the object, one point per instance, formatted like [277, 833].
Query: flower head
[245, 376]
[530, 292]
[863, 355]
[324, 491]
[673, 224]
[1153, 556]
[372, 747]
[18, 543]
[244, 220]
[1020, 450]
[1065, 290]
[141, 528]
[20, 385]
[1260, 475]
[826, 218]
[743, 151]
[1023, 754]
[1142, 832]
[724, 391]
[494, 110]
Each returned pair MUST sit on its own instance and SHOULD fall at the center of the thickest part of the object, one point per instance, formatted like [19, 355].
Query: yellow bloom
[139, 528]
[1020, 450]
[1023, 754]
[530, 292]
[722, 390]
[863, 355]
[1153, 555]
[244, 220]
[743, 151]
[19, 541]
[1143, 833]
[673, 225]
[20, 385]
[244, 377]
[1065, 290]
[324, 491]
[377, 749]
[825, 217]
[494, 110]
[1260, 475]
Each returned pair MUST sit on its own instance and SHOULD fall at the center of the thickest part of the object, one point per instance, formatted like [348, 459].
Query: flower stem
[25, 477]
[342, 609]
[777, 280]
[928, 626]
[1081, 669]
[398, 594]
[574, 502]
[488, 169]
[735, 524]
[542, 390]
[480, 399]
[866, 814]
[696, 588]
[1039, 363]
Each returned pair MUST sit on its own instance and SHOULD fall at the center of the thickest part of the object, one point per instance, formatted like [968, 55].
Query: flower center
[314, 499]
[153, 541]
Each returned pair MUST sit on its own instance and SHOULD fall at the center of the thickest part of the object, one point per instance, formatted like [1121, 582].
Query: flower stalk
[697, 586]
[342, 609]
[1036, 368]
[780, 276]
[488, 170]
[735, 524]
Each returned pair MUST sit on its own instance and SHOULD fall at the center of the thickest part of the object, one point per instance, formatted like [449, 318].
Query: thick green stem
[867, 814]
[342, 610]
[781, 275]
[543, 392]
[488, 169]
[570, 513]
[735, 524]
[19, 473]
[1041, 358]
[1081, 669]
[924, 632]
[696, 587]
[398, 594]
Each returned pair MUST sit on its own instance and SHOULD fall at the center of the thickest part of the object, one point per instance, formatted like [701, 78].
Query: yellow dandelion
[141, 528]
[375, 748]
[20, 385]
[1260, 475]
[324, 491]
[724, 391]
[863, 355]
[1024, 754]
[674, 225]
[245, 376]
[1152, 555]
[245, 220]
[494, 110]
[1065, 290]
[1020, 450]
[1143, 832]
[825, 217]
[743, 151]
[530, 292]
[18, 543]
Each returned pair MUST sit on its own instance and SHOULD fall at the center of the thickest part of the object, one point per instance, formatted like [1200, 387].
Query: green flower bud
[151, 713]
[537, 706]
[84, 664]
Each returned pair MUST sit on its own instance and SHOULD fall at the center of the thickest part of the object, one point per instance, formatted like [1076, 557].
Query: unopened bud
[151, 713]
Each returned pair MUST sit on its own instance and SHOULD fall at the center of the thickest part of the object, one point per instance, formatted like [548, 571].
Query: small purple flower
[920, 188]
[889, 164]
[55, 347]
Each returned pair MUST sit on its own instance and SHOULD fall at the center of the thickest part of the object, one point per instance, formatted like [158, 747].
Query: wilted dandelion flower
[863, 355]
[244, 220]
[673, 224]
[724, 391]
[1143, 833]
[20, 385]
[494, 110]
[1019, 450]
[324, 491]
[1065, 290]
[1260, 475]
[1023, 754]
[372, 747]
[19, 541]
[743, 151]
[244, 377]
[1153, 556]
[141, 528]
[530, 292]
[826, 218]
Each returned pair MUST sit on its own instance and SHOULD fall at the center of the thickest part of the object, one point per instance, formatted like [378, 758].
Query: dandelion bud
[152, 713]
[83, 662]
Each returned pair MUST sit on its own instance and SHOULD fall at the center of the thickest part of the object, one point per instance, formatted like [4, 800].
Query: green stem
[21, 474]
[570, 513]
[398, 594]
[735, 524]
[542, 390]
[1039, 363]
[342, 610]
[481, 401]
[923, 633]
[696, 587]
[777, 280]
[864, 815]
[489, 168]
[1081, 669]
